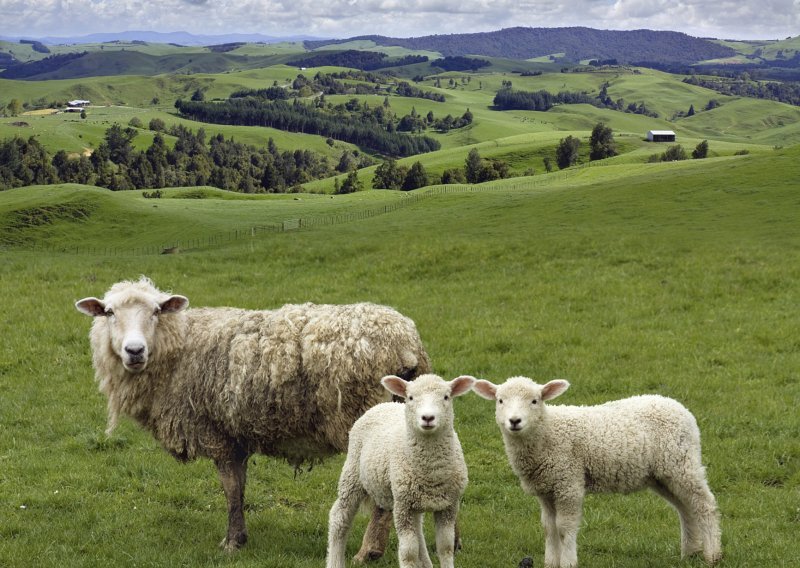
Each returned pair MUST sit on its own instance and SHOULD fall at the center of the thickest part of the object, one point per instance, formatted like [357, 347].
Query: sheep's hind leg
[233, 475]
[377, 535]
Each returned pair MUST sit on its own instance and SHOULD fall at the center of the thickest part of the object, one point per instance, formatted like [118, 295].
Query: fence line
[297, 224]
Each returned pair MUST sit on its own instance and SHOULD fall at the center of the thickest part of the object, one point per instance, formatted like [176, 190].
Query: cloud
[744, 19]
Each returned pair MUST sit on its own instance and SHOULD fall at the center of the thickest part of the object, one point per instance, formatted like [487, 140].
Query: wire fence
[181, 244]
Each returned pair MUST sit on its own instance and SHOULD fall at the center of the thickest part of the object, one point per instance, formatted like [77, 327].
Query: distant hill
[181, 38]
[577, 43]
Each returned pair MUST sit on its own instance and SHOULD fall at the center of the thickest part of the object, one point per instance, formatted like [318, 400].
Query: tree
[673, 154]
[567, 152]
[691, 111]
[472, 167]
[198, 96]
[602, 142]
[454, 175]
[389, 175]
[83, 113]
[14, 107]
[157, 125]
[415, 178]
[700, 151]
[351, 184]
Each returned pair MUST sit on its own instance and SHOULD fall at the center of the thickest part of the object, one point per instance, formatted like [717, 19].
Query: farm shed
[660, 136]
[79, 103]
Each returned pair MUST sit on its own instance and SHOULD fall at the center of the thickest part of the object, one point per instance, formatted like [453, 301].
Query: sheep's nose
[514, 423]
[134, 349]
[427, 421]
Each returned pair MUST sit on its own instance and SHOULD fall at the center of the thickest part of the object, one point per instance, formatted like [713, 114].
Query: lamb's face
[130, 322]
[519, 402]
[429, 400]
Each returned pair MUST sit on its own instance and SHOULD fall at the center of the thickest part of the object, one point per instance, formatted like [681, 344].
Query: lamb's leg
[377, 535]
[424, 557]
[568, 521]
[408, 525]
[233, 475]
[700, 508]
[691, 539]
[552, 542]
[340, 520]
[445, 522]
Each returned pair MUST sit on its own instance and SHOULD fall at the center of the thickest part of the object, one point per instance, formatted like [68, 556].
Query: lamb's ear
[461, 385]
[91, 307]
[395, 385]
[554, 389]
[485, 389]
[174, 304]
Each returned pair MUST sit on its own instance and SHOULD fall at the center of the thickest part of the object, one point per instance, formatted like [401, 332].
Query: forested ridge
[577, 43]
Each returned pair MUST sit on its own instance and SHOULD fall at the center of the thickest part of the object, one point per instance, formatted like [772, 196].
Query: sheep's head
[519, 402]
[429, 399]
[129, 313]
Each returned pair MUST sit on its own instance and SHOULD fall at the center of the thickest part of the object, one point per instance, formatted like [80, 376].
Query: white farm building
[660, 136]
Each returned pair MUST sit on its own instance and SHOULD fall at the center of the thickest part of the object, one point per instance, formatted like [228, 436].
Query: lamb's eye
[534, 401]
[500, 401]
[109, 312]
[446, 397]
[411, 398]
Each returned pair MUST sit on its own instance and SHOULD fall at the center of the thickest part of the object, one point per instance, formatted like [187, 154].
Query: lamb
[561, 452]
[405, 457]
[225, 383]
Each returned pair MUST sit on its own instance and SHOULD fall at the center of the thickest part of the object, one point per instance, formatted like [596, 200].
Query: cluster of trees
[601, 143]
[193, 160]
[676, 153]
[361, 126]
[391, 175]
[46, 65]
[415, 122]
[364, 60]
[405, 89]
[459, 63]
[509, 99]
[743, 86]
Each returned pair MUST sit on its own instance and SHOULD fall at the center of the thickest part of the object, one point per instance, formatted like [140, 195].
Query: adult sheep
[560, 453]
[226, 383]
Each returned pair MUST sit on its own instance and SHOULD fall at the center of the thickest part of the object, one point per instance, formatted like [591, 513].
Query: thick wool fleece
[288, 382]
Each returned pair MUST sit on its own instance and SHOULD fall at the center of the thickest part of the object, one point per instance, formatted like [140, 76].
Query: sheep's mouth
[135, 366]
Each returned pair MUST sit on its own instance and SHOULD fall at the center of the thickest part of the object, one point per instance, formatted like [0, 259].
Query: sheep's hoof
[367, 556]
[231, 545]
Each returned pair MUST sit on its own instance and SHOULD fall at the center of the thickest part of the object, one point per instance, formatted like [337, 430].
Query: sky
[723, 19]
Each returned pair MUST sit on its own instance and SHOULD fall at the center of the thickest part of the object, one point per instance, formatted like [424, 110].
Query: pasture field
[678, 279]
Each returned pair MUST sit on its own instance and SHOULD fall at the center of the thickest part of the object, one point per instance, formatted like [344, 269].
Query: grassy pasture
[678, 279]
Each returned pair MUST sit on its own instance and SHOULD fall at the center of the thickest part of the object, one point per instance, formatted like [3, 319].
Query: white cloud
[745, 19]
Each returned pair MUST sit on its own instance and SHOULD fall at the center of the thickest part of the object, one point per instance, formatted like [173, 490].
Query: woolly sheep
[225, 383]
[561, 452]
[407, 458]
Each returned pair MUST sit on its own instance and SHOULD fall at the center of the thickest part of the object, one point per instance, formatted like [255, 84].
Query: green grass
[678, 279]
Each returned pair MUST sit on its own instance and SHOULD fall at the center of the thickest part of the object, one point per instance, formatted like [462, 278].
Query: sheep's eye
[411, 398]
[109, 312]
[534, 401]
[446, 397]
[500, 401]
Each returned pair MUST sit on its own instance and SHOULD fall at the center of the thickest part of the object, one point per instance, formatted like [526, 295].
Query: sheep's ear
[91, 307]
[461, 385]
[554, 389]
[485, 389]
[174, 304]
[395, 385]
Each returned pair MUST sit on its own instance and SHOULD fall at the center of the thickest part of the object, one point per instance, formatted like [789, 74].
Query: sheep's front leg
[568, 520]
[377, 535]
[445, 522]
[411, 543]
[233, 475]
[552, 541]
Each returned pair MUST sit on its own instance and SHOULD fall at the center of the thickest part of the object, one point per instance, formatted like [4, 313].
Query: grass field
[678, 279]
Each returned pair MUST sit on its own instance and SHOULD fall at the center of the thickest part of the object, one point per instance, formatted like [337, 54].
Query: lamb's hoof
[526, 562]
[367, 556]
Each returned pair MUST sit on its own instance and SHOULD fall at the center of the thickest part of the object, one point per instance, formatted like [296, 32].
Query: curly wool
[287, 382]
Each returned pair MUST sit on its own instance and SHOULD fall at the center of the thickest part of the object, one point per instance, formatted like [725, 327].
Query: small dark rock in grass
[526, 562]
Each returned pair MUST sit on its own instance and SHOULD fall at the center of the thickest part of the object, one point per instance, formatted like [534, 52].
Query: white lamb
[407, 458]
[561, 452]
